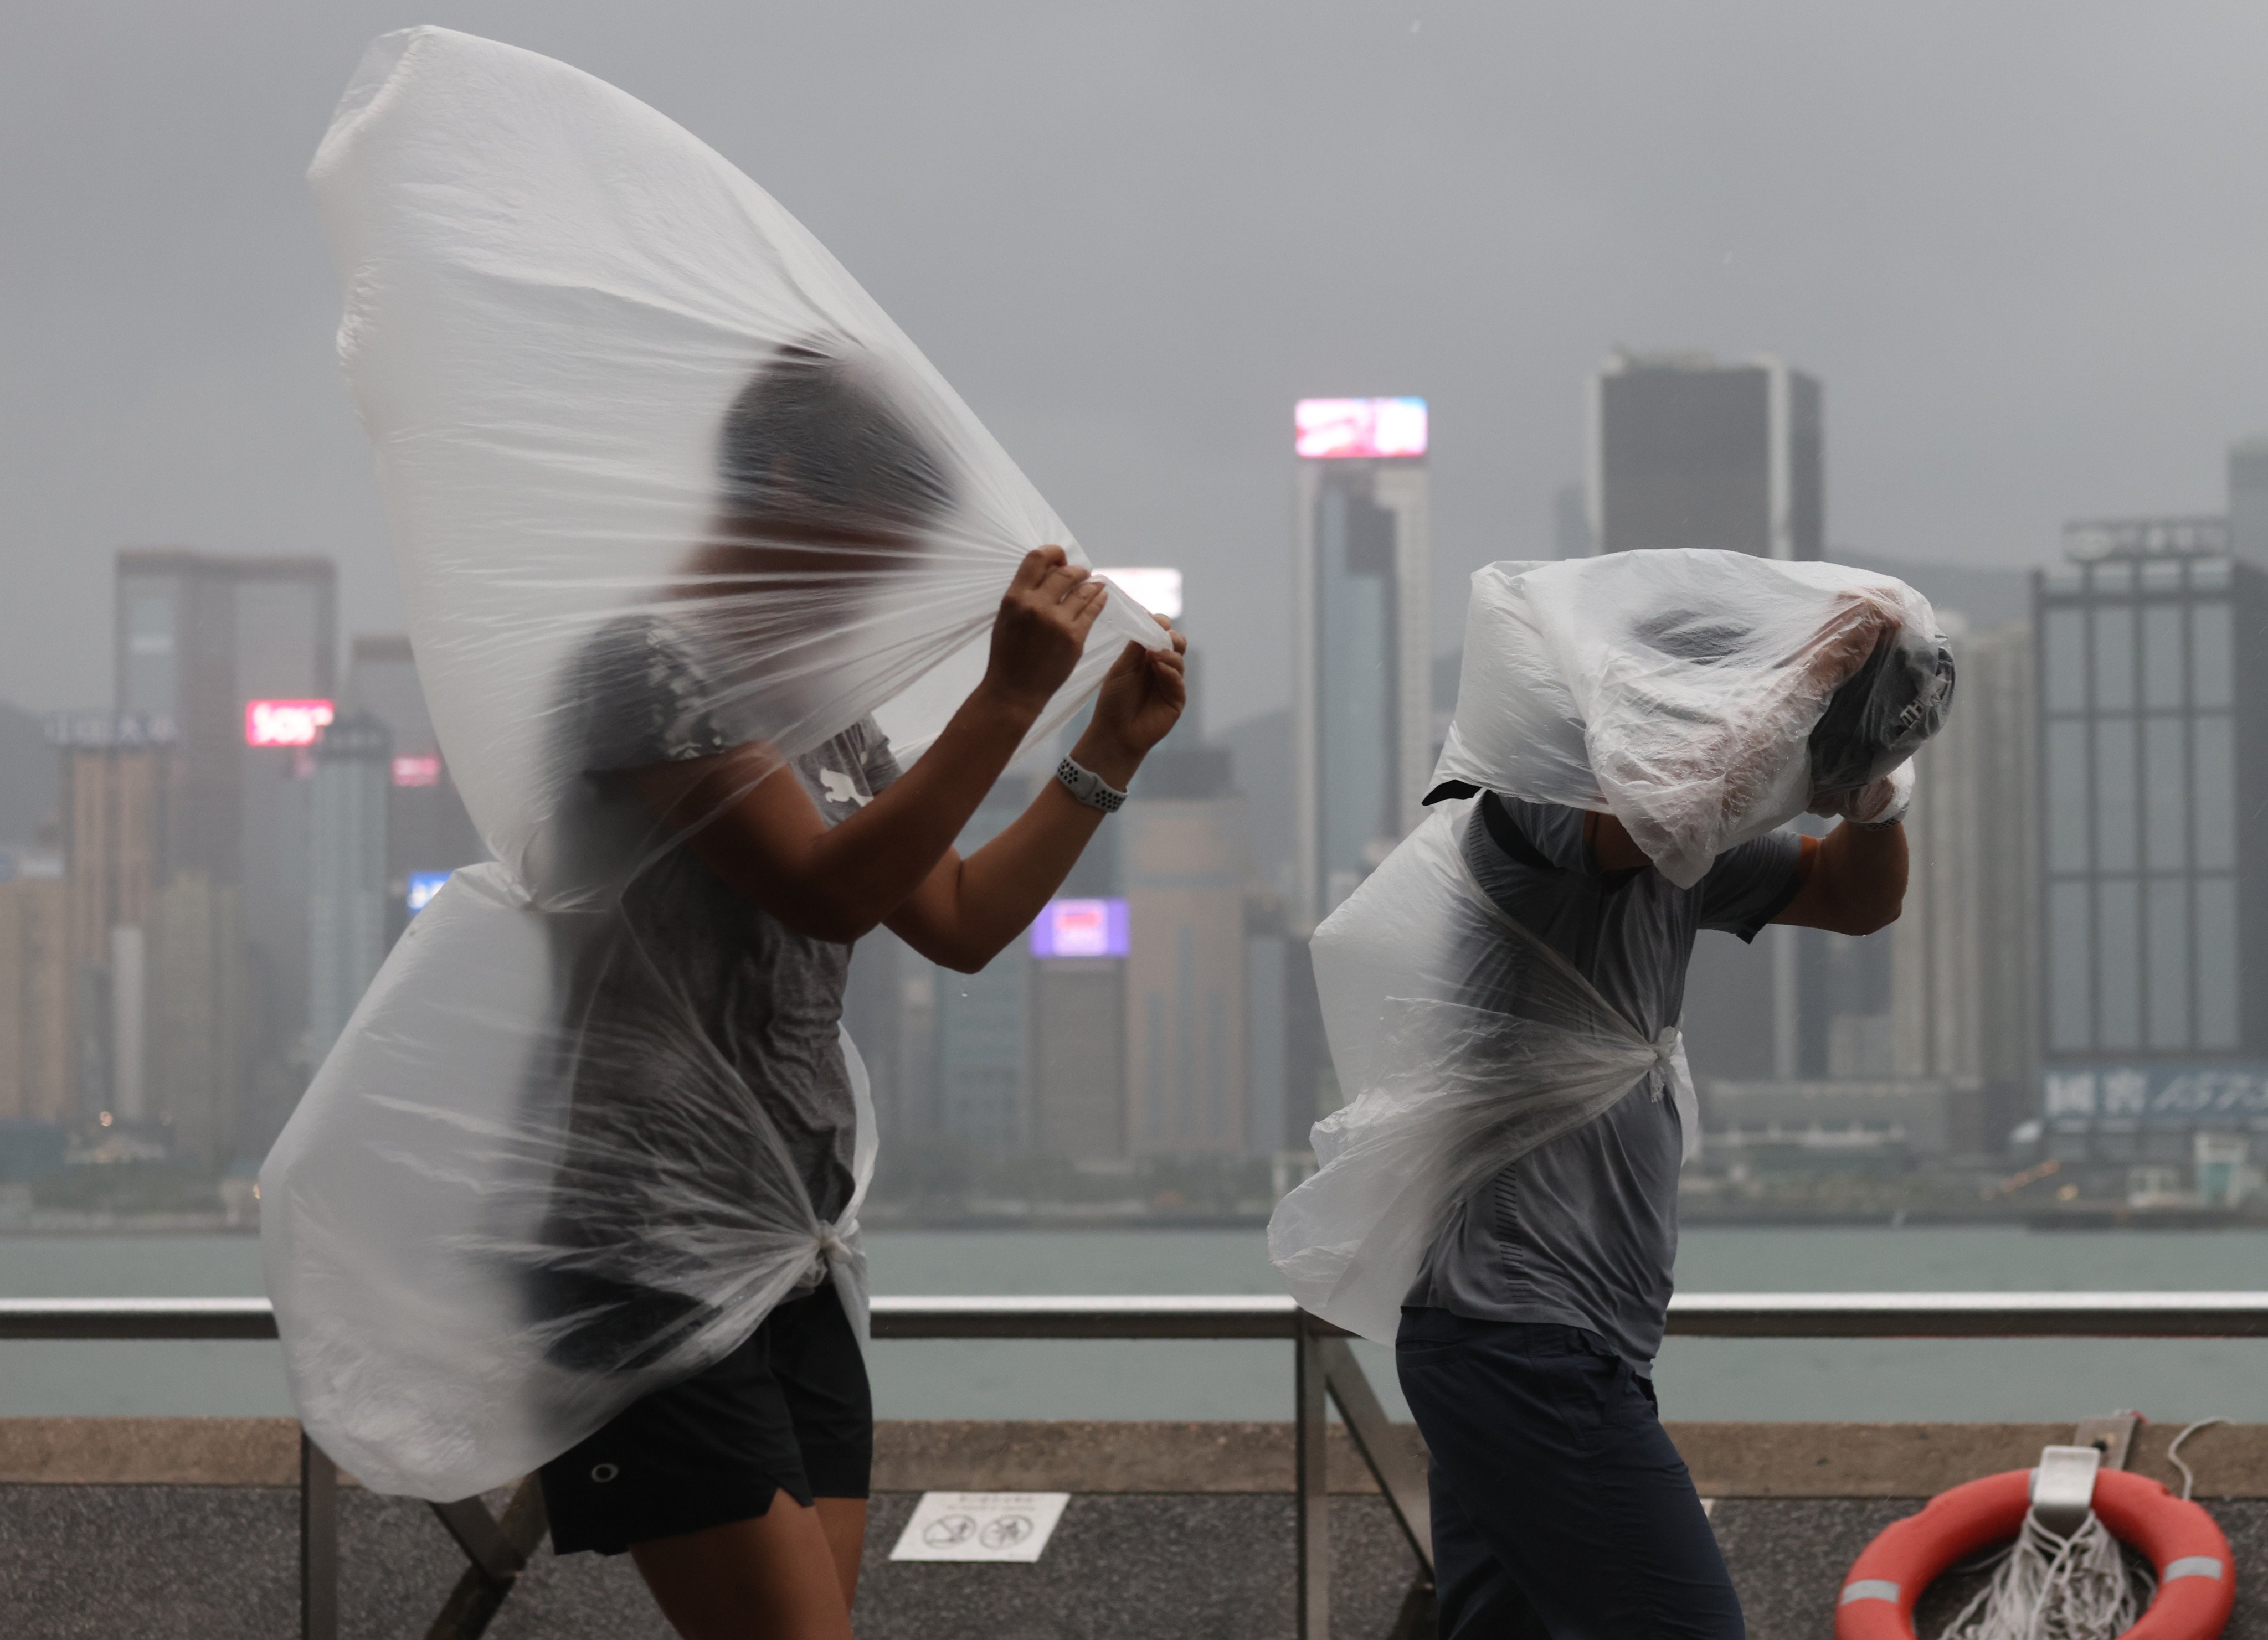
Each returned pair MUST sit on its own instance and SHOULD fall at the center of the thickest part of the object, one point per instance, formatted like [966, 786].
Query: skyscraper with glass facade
[2153, 652]
[1686, 451]
[1362, 704]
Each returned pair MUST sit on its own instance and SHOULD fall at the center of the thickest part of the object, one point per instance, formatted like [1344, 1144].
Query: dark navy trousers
[1561, 1512]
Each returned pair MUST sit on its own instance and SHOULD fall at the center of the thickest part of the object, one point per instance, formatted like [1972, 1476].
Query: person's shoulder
[641, 694]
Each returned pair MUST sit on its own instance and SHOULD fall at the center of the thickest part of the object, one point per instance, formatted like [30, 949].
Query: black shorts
[789, 1411]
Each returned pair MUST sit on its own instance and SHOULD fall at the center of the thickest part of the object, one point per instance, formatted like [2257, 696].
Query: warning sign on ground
[981, 1526]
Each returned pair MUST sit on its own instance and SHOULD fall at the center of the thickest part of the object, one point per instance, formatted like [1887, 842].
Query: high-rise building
[2248, 500]
[119, 789]
[2152, 670]
[1362, 709]
[1571, 523]
[347, 905]
[1687, 451]
[35, 1031]
[1965, 950]
[1183, 864]
[427, 829]
[240, 654]
[983, 1020]
[1079, 952]
[197, 1016]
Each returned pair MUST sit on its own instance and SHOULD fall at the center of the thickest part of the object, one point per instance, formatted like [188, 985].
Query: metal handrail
[1700, 1315]
[1324, 1370]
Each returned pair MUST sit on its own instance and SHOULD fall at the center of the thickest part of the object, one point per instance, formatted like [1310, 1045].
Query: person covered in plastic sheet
[1525, 1348]
[740, 1491]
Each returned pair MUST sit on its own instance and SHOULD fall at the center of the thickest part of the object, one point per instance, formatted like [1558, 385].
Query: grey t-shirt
[695, 1021]
[1583, 1231]
[762, 1001]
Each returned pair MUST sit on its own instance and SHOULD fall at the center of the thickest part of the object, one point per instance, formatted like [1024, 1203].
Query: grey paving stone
[189, 1562]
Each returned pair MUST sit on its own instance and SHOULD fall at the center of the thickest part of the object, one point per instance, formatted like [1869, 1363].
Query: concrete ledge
[1097, 1457]
[1791, 1460]
[1921, 1459]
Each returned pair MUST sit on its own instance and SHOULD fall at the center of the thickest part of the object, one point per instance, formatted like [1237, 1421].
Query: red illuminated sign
[417, 771]
[285, 723]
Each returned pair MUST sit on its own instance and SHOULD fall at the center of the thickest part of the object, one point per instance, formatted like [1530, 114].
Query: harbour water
[2044, 1380]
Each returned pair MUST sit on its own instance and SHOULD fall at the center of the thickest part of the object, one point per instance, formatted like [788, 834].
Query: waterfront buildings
[119, 790]
[1185, 878]
[1964, 954]
[35, 1059]
[1079, 955]
[240, 654]
[427, 829]
[349, 907]
[1362, 667]
[983, 1020]
[1684, 451]
[2152, 661]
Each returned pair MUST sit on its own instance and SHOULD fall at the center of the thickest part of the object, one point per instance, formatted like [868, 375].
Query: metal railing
[1324, 1370]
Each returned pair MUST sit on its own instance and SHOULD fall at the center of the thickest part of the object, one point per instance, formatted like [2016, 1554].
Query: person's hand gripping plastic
[1882, 802]
[1045, 617]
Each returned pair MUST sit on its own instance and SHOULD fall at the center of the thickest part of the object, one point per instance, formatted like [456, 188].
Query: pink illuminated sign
[1339, 429]
[1082, 928]
[285, 723]
[417, 771]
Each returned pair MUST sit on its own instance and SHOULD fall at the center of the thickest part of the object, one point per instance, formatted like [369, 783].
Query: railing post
[1311, 1481]
[318, 1543]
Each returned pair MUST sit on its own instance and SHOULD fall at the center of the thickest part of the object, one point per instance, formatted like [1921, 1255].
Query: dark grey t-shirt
[1583, 1231]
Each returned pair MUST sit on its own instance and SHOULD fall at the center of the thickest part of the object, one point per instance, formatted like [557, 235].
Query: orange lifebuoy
[2197, 1578]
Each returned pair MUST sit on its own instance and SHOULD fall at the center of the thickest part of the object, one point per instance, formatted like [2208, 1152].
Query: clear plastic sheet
[664, 483]
[1464, 1042]
[1702, 697]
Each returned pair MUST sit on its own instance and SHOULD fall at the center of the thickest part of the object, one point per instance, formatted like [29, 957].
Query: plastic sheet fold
[1702, 697]
[664, 484]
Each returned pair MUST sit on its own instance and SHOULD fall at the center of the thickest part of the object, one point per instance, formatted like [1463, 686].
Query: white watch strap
[1089, 787]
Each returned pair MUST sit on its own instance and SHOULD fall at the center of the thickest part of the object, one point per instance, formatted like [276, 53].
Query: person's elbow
[958, 952]
[1866, 911]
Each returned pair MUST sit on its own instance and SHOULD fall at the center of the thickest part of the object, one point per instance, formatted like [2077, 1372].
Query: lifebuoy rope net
[2083, 1587]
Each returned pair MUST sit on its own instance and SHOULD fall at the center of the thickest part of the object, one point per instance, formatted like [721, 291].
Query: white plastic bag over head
[1688, 692]
[663, 482]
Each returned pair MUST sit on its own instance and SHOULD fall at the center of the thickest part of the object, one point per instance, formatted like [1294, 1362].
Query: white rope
[2173, 1453]
[2052, 1588]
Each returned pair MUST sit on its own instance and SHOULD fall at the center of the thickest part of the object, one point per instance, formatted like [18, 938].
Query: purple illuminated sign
[1081, 928]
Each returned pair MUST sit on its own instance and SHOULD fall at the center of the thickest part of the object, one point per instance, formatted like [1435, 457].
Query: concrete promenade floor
[105, 1555]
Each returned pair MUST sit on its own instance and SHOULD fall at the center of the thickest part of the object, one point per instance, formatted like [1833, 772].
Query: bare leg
[843, 1520]
[778, 1577]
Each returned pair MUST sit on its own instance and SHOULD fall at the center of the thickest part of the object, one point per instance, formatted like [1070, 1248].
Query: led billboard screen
[1334, 429]
[1081, 928]
[417, 771]
[1157, 590]
[285, 723]
[423, 887]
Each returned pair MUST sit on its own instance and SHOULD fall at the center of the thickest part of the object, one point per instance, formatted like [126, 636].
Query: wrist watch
[1089, 787]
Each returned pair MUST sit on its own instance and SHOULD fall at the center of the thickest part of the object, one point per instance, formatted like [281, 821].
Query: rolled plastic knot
[838, 1244]
[1662, 1073]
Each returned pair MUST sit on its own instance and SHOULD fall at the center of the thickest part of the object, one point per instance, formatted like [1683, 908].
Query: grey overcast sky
[2020, 243]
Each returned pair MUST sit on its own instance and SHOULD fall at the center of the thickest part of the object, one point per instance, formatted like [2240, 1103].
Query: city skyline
[171, 378]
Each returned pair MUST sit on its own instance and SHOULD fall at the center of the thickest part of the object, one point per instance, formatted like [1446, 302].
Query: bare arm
[1856, 883]
[1854, 879]
[766, 840]
[966, 911]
